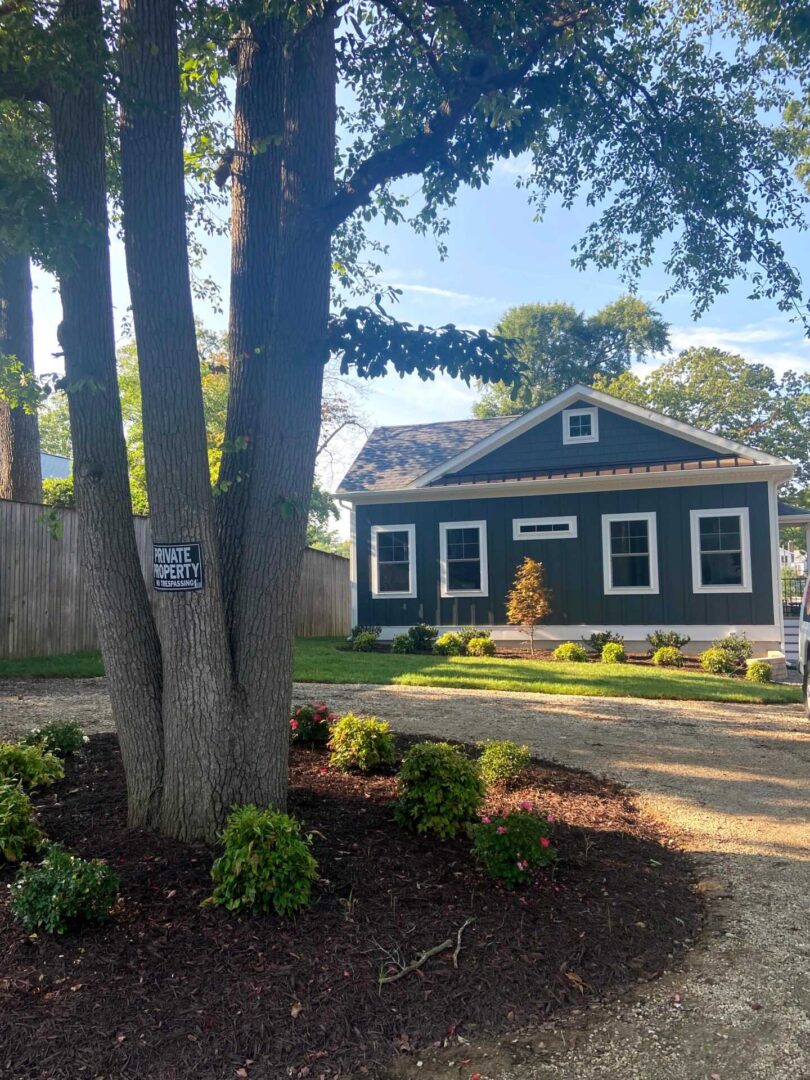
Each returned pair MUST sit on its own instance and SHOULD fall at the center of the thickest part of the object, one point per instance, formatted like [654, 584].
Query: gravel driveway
[732, 780]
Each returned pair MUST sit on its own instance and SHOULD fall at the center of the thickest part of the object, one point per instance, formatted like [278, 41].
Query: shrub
[738, 647]
[361, 742]
[267, 863]
[365, 641]
[668, 656]
[596, 642]
[58, 491]
[18, 829]
[502, 760]
[422, 637]
[481, 646]
[472, 633]
[759, 671]
[440, 789]
[356, 630]
[664, 639]
[30, 765]
[449, 644]
[311, 724]
[402, 644]
[62, 738]
[718, 662]
[613, 653]
[63, 890]
[571, 653]
[512, 848]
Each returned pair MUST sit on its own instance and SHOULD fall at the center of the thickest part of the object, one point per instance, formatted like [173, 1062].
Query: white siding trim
[482, 551]
[353, 563]
[570, 534]
[411, 592]
[607, 563]
[571, 440]
[745, 540]
[776, 569]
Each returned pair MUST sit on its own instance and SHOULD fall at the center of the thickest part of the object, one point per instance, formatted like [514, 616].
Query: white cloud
[684, 337]
[444, 294]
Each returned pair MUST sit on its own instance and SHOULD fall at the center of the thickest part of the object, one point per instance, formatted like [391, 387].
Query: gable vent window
[463, 553]
[721, 550]
[580, 426]
[629, 553]
[545, 528]
[393, 561]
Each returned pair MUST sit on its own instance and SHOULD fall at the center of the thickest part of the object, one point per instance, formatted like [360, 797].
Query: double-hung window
[463, 558]
[630, 553]
[393, 561]
[580, 426]
[721, 551]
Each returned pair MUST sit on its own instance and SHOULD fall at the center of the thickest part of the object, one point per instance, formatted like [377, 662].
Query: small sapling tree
[529, 600]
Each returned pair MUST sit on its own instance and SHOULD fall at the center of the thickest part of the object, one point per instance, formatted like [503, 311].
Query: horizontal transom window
[544, 528]
[393, 561]
[721, 550]
[463, 558]
[629, 553]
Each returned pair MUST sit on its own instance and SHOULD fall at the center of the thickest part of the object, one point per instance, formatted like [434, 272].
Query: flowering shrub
[422, 637]
[62, 738]
[440, 789]
[512, 848]
[361, 742]
[613, 653]
[402, 644]
[62, 890]
[481, 646]
[596, 642]
[738, 647]
[668, 656]
[18, 829]
[759, 672]
[570, 653]
[311, 724]
[662, 639]
[449, 644]
[267, 863]
[365, 641]
[502, 760]
[718, 662]
[30, 765]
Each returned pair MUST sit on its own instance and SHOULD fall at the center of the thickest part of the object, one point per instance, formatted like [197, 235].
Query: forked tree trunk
[129, 641]
[20, 470]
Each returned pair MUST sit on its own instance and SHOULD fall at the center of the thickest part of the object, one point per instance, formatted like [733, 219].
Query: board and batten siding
[574, 569]
[44, 601]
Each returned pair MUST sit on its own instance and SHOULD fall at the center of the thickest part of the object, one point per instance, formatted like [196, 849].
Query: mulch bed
[169, 990]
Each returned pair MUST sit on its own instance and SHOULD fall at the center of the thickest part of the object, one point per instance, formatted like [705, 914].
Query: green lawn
[319, 660]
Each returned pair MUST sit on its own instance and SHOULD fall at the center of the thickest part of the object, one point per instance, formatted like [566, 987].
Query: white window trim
[482, 552]
[607, 563]
[410, 594]
[571, 534]
[745, 541]
[575, 440]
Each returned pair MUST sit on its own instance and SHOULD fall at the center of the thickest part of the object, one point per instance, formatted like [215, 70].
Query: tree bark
[129, 641]
[205, 759]
[20, 469]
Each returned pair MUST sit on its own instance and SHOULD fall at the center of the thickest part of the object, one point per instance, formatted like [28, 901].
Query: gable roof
[420, 455]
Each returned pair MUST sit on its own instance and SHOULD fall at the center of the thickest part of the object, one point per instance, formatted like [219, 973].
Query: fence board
[45, 607]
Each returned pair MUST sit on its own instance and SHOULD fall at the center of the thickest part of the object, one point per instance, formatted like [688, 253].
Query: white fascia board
[606, 401]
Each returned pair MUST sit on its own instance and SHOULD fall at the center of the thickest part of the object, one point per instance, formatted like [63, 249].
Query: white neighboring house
[54, 466]
[793, 559]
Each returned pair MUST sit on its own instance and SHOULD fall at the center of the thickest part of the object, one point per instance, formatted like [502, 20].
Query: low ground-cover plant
[311, 724]
[267, 863]
[738, 647]
[663, 639]
[511, 849]
[718, 662]
[613, 653]
[63, 890]
[597, 641]
[481, 646]
[570, 653]
[440, 789]
[668, 656]
[61, 737]
[361, 742]
[502, 760]
[18, 828]
[759, 671]
[32, 766]
[449, 644]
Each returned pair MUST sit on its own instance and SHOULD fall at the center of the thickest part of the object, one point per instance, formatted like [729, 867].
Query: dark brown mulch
[169, 990]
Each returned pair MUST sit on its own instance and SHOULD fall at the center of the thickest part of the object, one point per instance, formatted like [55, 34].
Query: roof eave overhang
[504, 488]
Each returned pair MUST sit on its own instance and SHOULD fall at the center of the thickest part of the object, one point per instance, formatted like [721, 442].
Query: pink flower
[501, 830]
[551, 819]
[486, 819]
[544, 841]
[525, 805]
[294, 724]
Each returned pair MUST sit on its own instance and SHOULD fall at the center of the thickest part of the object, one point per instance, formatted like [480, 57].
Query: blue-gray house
[642, 522]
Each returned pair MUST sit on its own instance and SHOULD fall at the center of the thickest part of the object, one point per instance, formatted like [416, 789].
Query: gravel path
[733, 780]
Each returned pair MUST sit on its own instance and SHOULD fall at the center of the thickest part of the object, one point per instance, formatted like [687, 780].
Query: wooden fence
[45, 609]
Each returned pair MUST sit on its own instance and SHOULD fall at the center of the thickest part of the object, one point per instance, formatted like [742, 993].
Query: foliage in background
[528, 602]
[597, 641]
[660, 639]
[738, 646]
[61, 738]
[18, 827]
[440, 789]
[31, 766]
[667, 656]
[502, 760]
[63, 890]
[613, 653]
[718, 661]
[759, 671]
[569, 652]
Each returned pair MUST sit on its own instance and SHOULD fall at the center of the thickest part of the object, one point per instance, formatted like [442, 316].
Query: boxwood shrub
[613, 653]
[759, 671]
[718, 662]
[440, 789]
[570, 653]
[502, 760]
[361, 742]
[668, 656]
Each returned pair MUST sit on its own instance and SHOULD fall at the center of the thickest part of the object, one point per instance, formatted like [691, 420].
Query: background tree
[528, 602]
[558, 346]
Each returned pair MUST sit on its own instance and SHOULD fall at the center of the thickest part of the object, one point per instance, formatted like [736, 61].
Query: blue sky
[498, 256]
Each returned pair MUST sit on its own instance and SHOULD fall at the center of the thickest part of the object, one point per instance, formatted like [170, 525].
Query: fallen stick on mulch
[420, 961]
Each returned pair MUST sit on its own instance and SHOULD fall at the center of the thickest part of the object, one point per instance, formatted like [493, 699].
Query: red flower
[544, 841]
[294, 724]
[501, 830]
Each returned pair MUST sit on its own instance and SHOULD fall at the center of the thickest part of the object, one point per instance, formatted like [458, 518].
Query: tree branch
[394, 8]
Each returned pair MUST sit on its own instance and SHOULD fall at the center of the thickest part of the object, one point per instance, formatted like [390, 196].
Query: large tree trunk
[20, 470]
[206, 754]
[129, 641]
